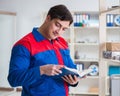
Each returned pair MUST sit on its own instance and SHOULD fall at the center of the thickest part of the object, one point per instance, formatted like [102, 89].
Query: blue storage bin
[114, 70]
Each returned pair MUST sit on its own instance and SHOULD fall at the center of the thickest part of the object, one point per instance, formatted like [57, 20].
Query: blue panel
[114, 70]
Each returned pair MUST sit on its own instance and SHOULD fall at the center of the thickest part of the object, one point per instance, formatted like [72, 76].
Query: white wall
[6, 41]
[29, 11]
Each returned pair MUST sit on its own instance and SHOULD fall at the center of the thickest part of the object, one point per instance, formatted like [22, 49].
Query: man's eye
[58, 25]
[64, 29]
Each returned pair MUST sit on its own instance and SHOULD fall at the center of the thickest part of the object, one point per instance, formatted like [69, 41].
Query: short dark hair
[60, 12]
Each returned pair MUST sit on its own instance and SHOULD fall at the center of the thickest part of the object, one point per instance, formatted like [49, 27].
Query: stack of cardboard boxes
[112, 51]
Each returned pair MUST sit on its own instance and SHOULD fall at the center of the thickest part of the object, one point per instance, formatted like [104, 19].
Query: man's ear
[48, 18]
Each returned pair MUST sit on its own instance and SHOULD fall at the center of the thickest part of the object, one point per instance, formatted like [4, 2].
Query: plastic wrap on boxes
[115, 55]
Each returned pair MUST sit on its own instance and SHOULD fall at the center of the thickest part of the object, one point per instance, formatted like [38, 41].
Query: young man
[40, 55]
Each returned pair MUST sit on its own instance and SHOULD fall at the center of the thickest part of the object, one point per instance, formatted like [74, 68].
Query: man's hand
[72, 80]
[50, 69]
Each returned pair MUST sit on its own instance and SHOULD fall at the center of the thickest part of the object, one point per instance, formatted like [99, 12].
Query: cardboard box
[93, 90]
[110, 46]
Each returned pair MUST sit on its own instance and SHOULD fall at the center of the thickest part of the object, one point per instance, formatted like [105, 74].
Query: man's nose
[60, 30]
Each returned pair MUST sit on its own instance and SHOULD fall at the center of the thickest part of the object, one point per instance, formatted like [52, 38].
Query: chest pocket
[43, 58]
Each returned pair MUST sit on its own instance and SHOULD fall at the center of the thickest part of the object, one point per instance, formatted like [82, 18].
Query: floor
[10, 93]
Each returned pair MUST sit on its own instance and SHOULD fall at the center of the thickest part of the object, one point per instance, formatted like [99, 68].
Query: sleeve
[69, 63]
[20, 72]
[74, 84]
[72, 65]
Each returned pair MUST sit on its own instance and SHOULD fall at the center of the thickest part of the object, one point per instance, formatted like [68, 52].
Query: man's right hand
[51, 69]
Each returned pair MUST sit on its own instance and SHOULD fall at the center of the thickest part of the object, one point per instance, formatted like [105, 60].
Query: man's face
[55, 27]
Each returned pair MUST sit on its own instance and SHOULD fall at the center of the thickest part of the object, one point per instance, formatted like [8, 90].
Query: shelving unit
[83, 41]
[107, 34]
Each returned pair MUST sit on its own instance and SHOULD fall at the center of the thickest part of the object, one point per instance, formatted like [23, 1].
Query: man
[40, 55]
